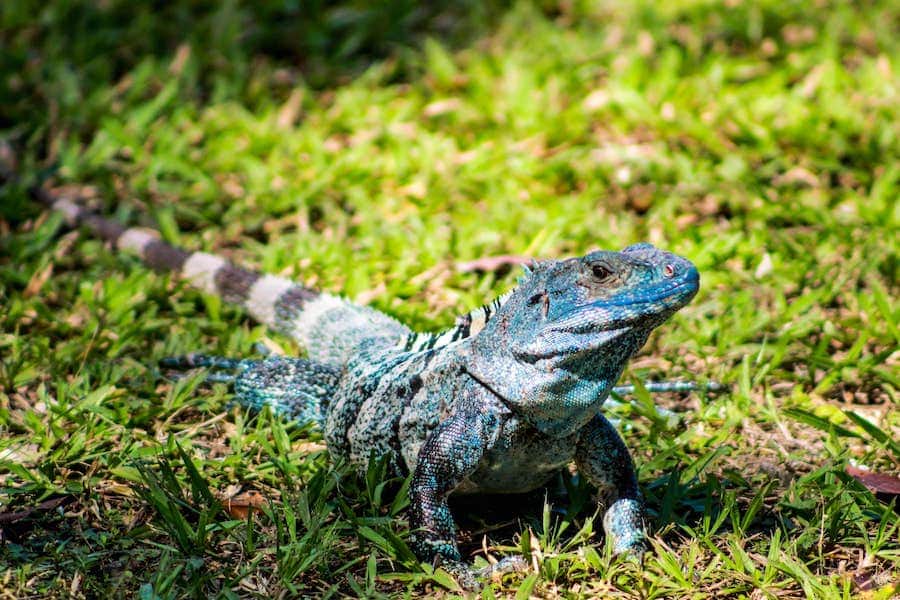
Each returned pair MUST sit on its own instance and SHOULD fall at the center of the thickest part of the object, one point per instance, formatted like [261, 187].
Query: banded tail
[329, 327]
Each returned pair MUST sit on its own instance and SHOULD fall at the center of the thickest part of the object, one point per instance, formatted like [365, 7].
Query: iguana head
[562, 339]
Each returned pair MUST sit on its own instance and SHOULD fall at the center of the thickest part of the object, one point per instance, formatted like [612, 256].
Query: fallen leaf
[440, 107]
[289, 112]
[309, 447]
[765, 267]
[881, 484]
[596, 100]
[8, 159]
[795, 176]
[417, 189]
[45, 506]
[16, 524]
[492, 263]
[112, 488]
[240, 506]
[182, 54]
[37, 281]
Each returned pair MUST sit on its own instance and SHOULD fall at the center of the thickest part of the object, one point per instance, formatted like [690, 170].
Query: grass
[368, 151]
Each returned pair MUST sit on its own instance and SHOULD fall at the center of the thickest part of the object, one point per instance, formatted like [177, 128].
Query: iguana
[499, 403]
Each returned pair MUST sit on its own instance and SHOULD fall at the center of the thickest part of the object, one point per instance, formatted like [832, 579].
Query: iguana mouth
[652, 294]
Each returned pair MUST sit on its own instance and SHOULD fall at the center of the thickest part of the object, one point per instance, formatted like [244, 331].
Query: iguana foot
[623, 524]
[465, 576]
[470, 578]
[510, 564]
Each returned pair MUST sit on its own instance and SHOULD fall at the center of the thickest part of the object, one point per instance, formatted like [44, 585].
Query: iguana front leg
[601, 456]
[449, 455]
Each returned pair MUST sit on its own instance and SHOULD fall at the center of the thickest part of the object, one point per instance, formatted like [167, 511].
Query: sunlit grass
[368, 151]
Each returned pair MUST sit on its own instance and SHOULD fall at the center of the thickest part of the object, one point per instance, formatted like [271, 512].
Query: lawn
[374, 151]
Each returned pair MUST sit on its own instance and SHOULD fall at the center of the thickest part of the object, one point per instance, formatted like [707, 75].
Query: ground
[375, 151]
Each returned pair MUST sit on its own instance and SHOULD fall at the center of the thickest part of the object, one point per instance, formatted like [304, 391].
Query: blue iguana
[499, 403]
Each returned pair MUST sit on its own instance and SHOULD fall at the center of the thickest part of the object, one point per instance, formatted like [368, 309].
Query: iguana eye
[543, 298]
[601, 272]
[669, 271]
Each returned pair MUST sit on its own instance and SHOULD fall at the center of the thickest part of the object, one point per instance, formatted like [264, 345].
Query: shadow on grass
[68, 65]
[65, 52]
[61, 55]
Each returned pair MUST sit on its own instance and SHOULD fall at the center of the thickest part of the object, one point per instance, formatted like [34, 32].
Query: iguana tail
[329, 327]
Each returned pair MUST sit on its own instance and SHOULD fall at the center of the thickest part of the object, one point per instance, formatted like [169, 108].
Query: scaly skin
[499, 403]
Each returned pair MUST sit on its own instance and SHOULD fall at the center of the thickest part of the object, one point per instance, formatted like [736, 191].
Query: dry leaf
[46, 505]
[182, 54]
[492, 263]
[765, 267]
[37, 281]
[440, 107]
[881, 484]
[289, 112]
[240, 506]
[11, 518]
[596, 100]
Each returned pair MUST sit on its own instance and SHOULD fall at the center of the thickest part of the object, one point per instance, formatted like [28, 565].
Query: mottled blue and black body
[499, 403]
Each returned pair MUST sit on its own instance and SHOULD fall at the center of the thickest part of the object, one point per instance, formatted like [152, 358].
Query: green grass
[367, 151]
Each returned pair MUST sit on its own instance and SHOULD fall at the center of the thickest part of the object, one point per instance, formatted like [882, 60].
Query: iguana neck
[558, 395]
